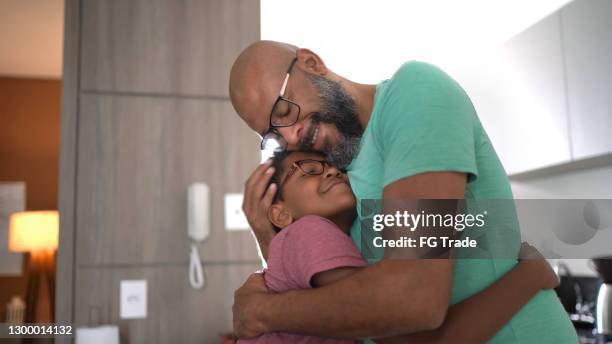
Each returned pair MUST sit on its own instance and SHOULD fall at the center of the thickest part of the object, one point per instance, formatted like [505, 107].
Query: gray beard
[344, 152]
[340, 110]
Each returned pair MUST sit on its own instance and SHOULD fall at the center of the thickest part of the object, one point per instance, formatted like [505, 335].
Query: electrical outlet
[235, 220]
[133, 295]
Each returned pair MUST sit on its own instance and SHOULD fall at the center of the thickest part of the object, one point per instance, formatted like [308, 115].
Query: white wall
[31, 38]
[366, 41]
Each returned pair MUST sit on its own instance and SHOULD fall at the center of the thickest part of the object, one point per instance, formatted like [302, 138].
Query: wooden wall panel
[64, 291]
[146, 113]
[176, 312]
[137, 157]
[165, 46]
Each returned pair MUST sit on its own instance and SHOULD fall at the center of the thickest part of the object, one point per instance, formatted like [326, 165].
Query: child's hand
[529, 255]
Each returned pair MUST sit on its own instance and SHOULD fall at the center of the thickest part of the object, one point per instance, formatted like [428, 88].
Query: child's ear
[279, 215]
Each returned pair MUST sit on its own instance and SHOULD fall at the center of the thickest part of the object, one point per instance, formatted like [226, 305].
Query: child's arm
[331, 276]
[481, 316]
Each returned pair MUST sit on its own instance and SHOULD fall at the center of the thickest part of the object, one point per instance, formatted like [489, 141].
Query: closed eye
[284, 113]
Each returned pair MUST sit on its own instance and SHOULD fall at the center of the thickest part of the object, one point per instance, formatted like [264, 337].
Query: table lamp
[37, 233]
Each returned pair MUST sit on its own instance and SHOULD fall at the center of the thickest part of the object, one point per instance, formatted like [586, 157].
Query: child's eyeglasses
[307, 166]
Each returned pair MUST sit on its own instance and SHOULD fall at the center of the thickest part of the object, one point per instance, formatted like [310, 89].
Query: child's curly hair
[277, 162]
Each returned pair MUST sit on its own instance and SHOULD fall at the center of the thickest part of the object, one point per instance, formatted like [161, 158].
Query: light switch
[133, 295]
[235, 220]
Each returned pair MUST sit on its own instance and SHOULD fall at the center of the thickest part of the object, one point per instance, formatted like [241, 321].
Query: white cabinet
[534, 107]
[519, 94]
[553, 90]
[587, 39]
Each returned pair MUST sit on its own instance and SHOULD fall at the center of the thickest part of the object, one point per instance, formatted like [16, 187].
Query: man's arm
[373, 302]
[388, 298]
[480, 317]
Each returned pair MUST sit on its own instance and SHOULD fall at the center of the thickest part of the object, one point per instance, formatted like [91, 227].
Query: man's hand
[246, 307]
[257, 201]
[547, 277]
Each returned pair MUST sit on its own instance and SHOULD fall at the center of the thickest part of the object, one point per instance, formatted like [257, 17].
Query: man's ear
[310, 62]
[279, 215]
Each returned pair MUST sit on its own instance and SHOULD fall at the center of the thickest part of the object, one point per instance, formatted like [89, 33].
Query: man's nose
[292, 134]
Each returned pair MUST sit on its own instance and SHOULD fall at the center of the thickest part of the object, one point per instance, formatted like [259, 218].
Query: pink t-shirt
[308, 246]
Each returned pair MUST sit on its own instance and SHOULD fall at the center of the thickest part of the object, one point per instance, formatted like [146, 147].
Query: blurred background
[112, 110]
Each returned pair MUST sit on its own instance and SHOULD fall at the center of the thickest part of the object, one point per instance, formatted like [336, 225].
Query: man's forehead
[255, 80]
[256, 102]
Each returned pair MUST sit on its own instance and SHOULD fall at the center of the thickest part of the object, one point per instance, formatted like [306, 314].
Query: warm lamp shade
[31, 231]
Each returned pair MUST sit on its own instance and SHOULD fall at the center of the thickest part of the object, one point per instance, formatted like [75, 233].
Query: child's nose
[332, 172]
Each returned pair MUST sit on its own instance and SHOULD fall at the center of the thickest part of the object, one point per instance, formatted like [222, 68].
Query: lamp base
[41, 265]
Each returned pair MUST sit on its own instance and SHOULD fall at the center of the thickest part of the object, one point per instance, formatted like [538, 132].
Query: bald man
[413, 136]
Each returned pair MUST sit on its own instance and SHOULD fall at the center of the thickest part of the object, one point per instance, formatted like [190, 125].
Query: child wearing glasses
[313, 211]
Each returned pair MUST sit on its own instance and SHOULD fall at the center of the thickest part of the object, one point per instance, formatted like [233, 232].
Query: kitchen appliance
[573, 298]
[603, 265]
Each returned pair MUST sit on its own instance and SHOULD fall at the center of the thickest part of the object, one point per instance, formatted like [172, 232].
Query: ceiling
[31, 38]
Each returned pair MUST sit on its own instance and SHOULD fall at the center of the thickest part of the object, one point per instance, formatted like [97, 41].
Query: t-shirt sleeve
[314, 244]
[427, 124]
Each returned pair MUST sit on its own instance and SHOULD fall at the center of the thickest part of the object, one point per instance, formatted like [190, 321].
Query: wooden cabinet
[587, 40]
[145, 113]
[164, 46]
[137, 157]
[176, 313]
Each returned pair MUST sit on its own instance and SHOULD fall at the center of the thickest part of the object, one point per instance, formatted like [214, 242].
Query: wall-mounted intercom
[198, 228]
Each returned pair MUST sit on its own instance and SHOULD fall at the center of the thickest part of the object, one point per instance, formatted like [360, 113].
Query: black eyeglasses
[284, 113]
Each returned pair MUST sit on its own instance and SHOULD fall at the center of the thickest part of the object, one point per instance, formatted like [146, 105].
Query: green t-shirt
[423, 121]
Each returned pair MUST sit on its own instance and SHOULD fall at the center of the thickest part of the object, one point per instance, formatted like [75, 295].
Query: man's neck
[363, 94]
